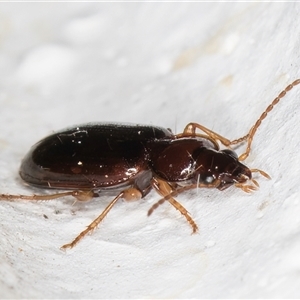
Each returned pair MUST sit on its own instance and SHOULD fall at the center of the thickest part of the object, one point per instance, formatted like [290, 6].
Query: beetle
[132, 158]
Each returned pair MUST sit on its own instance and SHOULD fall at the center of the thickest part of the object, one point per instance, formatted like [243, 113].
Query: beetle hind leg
[130, 194]
[81, 195]
[94, 224]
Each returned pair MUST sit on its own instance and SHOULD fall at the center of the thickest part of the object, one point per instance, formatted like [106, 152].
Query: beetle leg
[129, 194]
[190, 130]
[94, 224]
[165, 190]
[165, 198]
[184, 212]
[79, 195]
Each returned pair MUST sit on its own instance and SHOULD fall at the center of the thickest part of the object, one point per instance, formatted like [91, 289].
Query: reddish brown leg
[129, 194]
[165, 190]
[79, 195]
[190, 130]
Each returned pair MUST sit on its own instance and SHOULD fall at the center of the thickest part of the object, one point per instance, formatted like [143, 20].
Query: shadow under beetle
[91, 158]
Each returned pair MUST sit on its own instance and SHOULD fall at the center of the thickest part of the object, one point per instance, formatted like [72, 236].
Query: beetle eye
[209, 179]
[230, 152]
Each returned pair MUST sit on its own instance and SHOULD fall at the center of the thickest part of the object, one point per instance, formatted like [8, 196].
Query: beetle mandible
[91, 158]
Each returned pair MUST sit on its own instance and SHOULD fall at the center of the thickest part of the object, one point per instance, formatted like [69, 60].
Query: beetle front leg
[166, 191]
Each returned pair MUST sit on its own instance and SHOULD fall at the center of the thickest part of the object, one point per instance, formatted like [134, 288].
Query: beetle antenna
[254, 128]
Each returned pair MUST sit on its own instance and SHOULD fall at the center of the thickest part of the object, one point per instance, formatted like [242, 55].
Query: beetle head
[228, 169]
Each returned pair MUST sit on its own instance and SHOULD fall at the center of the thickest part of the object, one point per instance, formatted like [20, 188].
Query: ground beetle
[91, 158]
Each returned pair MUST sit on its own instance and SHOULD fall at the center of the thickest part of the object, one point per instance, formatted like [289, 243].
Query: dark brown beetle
[136, 158]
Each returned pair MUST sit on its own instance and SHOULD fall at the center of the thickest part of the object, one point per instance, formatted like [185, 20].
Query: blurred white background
[166, 64]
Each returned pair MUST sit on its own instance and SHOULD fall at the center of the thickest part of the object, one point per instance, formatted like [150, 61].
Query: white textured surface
[219, 64]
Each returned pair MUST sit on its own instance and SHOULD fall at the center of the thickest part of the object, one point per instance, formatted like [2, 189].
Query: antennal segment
[254, 128]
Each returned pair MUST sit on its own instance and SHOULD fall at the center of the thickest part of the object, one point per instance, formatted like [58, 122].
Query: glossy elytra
[133, 159]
